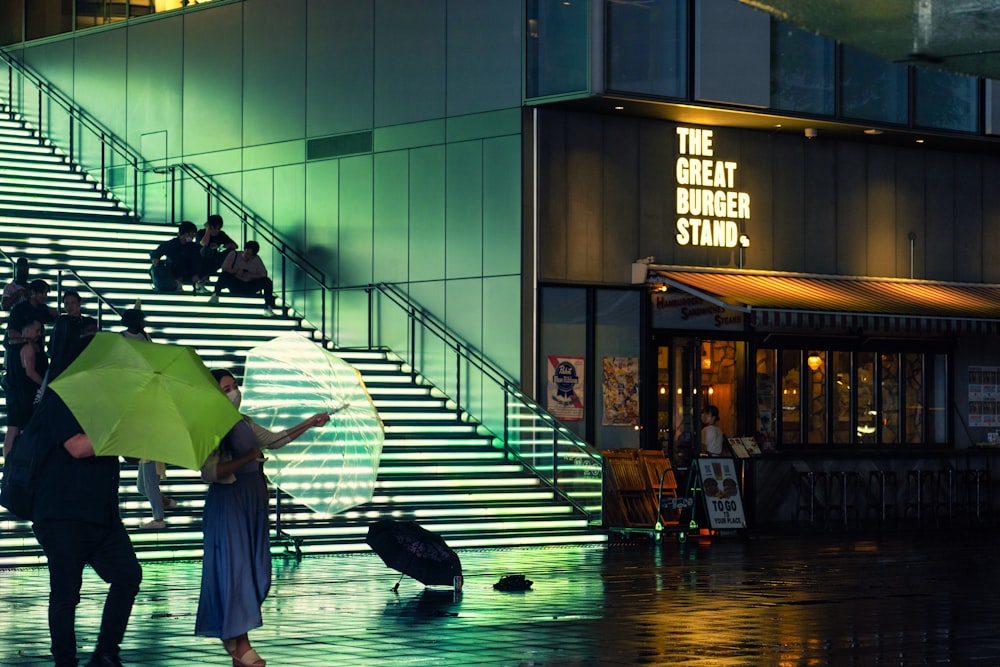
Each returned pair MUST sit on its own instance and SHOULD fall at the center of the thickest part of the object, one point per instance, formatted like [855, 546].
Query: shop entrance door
[693, 373]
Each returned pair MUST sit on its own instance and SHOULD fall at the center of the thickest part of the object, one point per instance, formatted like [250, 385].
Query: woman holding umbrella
[236, 569]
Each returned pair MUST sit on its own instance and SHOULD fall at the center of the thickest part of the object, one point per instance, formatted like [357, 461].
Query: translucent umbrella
[328, 469]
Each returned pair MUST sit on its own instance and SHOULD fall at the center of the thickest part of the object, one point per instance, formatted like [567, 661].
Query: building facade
[634, 209]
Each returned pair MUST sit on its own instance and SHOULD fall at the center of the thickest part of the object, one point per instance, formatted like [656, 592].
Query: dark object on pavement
[414, 551]
[513, 582]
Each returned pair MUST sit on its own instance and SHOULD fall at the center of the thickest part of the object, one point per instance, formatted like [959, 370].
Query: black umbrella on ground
[410, 548]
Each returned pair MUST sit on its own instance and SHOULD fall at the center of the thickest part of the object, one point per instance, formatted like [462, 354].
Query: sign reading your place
[708, 204]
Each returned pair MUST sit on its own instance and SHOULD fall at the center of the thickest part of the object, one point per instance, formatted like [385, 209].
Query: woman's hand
[319, 419]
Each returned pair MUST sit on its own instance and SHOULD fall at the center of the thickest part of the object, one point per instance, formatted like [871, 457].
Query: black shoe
[104, 660]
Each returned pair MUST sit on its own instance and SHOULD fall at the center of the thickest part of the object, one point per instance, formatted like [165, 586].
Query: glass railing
[481, 391]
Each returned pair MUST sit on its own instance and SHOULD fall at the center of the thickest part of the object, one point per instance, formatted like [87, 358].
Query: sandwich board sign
[721, 491]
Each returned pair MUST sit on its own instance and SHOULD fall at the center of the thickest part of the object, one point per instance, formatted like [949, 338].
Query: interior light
[814, 361]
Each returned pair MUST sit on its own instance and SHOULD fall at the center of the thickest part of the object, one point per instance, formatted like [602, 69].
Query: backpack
[20, 469]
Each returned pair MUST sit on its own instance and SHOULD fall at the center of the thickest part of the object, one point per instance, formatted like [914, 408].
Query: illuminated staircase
[436, 467]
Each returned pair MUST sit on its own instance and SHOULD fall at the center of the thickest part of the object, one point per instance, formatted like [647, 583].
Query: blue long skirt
[236, 569]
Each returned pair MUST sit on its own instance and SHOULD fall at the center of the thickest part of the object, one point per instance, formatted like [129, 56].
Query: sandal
[249, 659]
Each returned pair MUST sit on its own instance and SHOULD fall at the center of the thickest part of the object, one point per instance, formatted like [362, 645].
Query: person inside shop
[712, 440]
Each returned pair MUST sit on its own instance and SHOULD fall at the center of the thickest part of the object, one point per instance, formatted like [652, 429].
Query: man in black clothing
[77, 522]
[213, 245]
[181, 255]
[32, 309]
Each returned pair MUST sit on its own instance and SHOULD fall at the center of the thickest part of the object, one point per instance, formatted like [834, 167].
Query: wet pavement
[806, 600]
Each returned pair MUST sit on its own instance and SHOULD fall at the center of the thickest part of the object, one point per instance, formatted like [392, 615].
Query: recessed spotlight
[920, 141]
[777, 125]
[872, 130]
[619, 108]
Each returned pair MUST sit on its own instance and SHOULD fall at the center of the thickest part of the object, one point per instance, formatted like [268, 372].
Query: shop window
[615, 384]
[802, 72]
[913, 394]
[936, 398]
[946, 101]
[872, 89]
[563, 346]
[765, 375]
[890, 396]
[647, 47]
[840, 388]
[558, 47]
[791, 397]
[864, 392]
[815, 398]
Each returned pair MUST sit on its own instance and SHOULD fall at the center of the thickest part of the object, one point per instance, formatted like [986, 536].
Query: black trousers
[237, 286]
[69, 546]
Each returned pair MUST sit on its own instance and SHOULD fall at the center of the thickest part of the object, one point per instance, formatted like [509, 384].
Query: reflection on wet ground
[823, 600]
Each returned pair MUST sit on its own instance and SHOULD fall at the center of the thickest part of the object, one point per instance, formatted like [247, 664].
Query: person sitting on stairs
[244, 273]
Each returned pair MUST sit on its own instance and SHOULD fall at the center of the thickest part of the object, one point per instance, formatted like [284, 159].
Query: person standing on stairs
[150, 472]
[180, 255]
[26, 367]
[16, 290]
[213, 246]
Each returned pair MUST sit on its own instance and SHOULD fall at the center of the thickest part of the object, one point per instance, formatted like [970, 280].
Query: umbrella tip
[138, 303]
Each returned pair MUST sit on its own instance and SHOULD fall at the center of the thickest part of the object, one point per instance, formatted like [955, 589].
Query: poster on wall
[620, 389]
[984, 397]
[565, 390]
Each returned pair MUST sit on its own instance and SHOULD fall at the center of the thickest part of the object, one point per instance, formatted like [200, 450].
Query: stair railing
[119, 170]
[480, 389]
[84, 141]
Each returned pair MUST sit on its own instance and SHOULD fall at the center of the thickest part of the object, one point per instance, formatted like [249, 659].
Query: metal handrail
[463, 350]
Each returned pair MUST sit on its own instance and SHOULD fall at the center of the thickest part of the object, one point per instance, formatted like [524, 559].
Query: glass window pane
[913, 378]
[558, 47]
[946, 101]
[865, 396]
[801, 69]
[840, 367]
[563, 333]
[767, 366]
[937, 398]
[722, 363]
[872, 89]
[791, 409]
[616, 382]
[816, 396]
[890, 398]
[647, 47]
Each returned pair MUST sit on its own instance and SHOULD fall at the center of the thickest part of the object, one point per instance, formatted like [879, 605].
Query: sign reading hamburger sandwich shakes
[722, 494]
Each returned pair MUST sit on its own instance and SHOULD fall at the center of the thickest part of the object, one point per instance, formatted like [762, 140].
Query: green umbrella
[146, 400]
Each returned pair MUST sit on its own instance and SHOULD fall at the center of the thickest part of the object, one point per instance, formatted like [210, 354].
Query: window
[558, 48]
[858, 398]
[801, 70]
[647, 47]
[872, 89]
[946, 101]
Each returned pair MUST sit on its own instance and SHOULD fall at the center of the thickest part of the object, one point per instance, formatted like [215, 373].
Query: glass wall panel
[936, 398]
[767, 366]
[647, 47]
[558, 47]
[722, 363]
[563, 340]
[872, 89]
[802, 70]
[816, 364]
[791, 395]
[616, 381]
[867, 416]
[889, 380]
[945, 100]
[840, 369]
[913, 382]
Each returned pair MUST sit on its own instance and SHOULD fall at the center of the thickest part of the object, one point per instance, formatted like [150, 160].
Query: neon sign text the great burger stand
[708, 204]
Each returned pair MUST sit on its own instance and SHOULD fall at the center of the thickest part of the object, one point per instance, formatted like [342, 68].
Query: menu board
[722, 493]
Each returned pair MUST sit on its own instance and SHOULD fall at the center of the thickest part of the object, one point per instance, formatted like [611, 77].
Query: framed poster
[722, 493]
[620, 388]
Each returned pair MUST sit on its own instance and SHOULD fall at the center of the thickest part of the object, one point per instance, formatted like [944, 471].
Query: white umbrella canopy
[328, 469]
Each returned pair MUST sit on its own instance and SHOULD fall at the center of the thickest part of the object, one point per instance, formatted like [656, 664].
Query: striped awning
[814, 301]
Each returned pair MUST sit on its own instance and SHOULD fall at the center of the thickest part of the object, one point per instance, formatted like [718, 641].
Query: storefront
[769, 286]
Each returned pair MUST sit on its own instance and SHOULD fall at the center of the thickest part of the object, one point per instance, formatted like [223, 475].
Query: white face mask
[235, 397]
